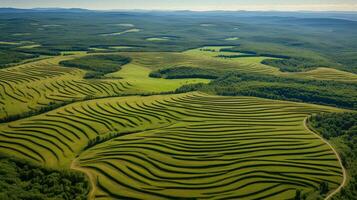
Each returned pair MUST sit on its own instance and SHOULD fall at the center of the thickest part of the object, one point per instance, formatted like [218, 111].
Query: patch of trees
[40, 51]
[186, 72]
[20, 180]
[286, 63]
[8, 57]
[267, 86]
[67, 48]
[237, 56]
[336, 124]
[99, 65]
[210, 50]
[11, 55]
[49, 107]
[341, 128]
[234, 50]
[93, 75]
[295, 64]
[254, 53]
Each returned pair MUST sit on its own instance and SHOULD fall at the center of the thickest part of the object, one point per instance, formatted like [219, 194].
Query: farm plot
[33, 86]
[36, 85]
[328, 74]
[199, 58]
[240, 148]
[211, 57]
[181, 146]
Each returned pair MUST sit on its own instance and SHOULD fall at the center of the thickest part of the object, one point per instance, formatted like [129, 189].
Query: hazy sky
[289, 5]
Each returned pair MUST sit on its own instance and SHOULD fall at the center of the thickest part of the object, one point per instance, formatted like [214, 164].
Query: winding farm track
[91, 179]
[344, 180]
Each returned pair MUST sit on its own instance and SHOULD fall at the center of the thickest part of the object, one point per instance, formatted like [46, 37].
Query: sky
[196, 5]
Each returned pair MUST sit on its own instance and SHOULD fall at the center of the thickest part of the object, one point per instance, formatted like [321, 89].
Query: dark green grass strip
[13, 137]
[103, 111]
[57, 123]
[46, 126]
[60, 115]
[128, 111]
[89, 116]
[111, 193]
[122, 183]
[22, 153]
[36, 136]
[28, 149]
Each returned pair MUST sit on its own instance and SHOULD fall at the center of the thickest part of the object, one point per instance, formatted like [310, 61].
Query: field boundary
[91, 179]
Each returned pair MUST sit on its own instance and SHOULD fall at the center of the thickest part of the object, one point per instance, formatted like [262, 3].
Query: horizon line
[173, 10]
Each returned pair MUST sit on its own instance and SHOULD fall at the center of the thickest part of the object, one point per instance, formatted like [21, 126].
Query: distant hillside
[17, 10]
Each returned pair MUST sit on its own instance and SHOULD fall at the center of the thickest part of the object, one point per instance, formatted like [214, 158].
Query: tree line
[331, 93]
[186, 72]
[341, 129]
[21, 180]
[98, 65]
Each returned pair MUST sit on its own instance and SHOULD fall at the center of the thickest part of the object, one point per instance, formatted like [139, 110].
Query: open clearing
[21, 34]
[9, 43]
[30, 46]
[51, 25]
[134, 30]
[329, 74]
[232, 38]
[125, 25]
[158, 39]
[207, 25]
[120, 47]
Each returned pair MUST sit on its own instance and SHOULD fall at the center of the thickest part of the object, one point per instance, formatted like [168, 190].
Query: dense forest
[13, 57]
[98, 65]
[295, 64]
[20, 180]
[186, 72]
[341, 130]
[273, 87]
[286, 62]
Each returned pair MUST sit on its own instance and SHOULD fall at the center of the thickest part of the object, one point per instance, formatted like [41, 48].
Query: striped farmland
[32, 86]
[183, 146]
